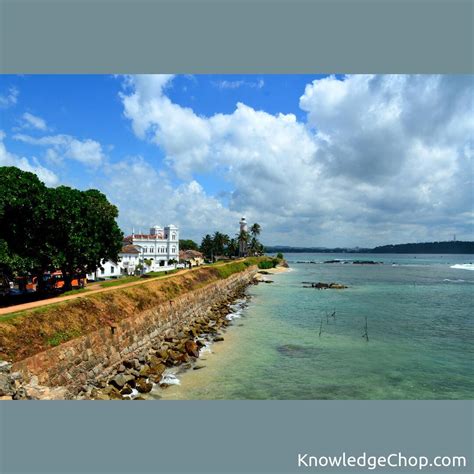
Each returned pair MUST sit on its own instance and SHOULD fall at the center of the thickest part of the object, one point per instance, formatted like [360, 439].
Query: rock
[191, 348]
[163, 353]
[5, 366]
[20, 394]
[120, 380]
[198, 367]
[143, 386]
[157, 369]
[218, 339]
[6, 386]
[127, 390]
[129, 364]
[138, 398]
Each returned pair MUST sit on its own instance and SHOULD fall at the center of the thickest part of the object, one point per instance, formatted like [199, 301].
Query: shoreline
[179, 350]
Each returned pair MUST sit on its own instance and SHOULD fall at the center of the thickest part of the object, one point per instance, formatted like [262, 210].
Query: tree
[207, 246]
[188, 244]
[243, 238]
[49, 228]
[232, 248]
[279, 255]
[219, 242]
[83, 230]
[255, 230]
[23, 214]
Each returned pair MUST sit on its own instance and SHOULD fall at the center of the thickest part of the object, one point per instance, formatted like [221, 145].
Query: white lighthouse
[243, 241]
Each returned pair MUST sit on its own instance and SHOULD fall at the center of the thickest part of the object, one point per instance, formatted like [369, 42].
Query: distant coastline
[451, 247]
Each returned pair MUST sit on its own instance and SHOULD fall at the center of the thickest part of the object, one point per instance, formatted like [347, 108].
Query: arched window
[173, 236]
[174, 249]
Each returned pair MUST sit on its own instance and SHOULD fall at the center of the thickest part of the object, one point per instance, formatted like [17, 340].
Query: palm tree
[243, 238]
[255, 230]
[232, 247]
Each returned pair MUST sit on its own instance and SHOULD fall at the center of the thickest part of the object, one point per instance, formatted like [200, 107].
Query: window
[102, 271]
[174, 237]
[112, 269]
[174, 249]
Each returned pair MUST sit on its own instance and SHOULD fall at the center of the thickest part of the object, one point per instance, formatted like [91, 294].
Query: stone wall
[95, 355]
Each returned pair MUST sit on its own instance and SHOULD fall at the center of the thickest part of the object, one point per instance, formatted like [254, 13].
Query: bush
[279, 255]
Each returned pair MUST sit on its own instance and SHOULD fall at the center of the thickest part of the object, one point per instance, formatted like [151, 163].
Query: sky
[316, 160]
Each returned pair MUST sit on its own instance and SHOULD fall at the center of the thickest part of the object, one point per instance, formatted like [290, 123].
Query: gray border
[225, 436]
[236, 36]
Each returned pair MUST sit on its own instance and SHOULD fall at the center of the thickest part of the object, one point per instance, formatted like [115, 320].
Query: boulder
[191, 348]
[143, 386]
[218, 339]
[127, 390]
[120, 380]
[6, 387]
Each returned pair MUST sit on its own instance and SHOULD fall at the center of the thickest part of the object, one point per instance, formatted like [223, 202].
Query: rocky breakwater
[178, 347]
[323, 286]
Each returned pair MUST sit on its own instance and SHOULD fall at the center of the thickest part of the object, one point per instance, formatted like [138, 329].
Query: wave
[457, 280]
[170, 379]
[463, 266]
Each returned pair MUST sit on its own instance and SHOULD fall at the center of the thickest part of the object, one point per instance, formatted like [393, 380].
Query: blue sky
[317, 160]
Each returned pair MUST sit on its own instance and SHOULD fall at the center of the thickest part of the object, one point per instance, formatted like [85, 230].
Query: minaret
[242, 243]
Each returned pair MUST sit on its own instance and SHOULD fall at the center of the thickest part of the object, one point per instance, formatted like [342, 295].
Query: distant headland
[450, 247]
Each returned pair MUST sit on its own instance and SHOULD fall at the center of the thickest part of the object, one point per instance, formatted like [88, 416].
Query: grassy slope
[29, 332]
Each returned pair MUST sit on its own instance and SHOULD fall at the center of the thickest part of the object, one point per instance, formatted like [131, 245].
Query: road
[59, 299]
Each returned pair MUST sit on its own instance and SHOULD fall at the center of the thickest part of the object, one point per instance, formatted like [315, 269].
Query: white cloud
[33, 121]
[88, 152]
[10, 98]
[33, 166]
[380, 159]
[146, 197]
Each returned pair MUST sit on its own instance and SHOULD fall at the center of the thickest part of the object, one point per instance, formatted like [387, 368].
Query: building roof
[130, 249]
[189, 254]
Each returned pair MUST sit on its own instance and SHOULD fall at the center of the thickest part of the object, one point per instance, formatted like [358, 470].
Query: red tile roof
[129, 249]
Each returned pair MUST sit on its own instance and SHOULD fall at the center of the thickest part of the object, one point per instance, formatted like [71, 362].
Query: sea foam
[463, 266]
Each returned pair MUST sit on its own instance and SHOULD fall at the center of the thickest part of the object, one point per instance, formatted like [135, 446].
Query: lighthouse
[243, 237]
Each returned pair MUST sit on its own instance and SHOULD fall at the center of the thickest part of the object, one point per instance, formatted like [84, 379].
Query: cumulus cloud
[33, 121]
[380, 158]
[146, 196]
[33, 166]
[88, 152]
[9, 98]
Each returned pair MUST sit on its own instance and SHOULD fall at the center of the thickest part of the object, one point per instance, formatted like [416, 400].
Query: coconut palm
[255, 230]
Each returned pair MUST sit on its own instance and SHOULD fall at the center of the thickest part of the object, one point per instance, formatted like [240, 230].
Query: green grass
[73, 292]
[62, 336]
[119, 281]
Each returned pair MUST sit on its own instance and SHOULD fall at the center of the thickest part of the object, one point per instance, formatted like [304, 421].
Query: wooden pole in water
[321, 327]
[366, 334]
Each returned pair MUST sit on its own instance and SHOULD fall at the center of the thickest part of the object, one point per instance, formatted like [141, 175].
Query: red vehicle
[55, 280]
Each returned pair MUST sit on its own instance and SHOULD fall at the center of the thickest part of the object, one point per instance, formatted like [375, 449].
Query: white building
[159, 250]
[108, 269]
[156, 251]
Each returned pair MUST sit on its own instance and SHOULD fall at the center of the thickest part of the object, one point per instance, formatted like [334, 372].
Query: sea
[403, 329]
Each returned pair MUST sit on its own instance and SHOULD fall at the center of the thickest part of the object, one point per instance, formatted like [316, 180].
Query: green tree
[243, 238]
[279, 255]
[255, 230]
[207, 246]
[232, 248]
[219, 242]
[82, 231]
[23, 215]
[188, 244]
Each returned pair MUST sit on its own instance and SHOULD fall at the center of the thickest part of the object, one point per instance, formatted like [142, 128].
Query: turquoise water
[420, 325]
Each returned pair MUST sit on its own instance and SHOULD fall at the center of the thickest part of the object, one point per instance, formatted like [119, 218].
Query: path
[59, 299]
